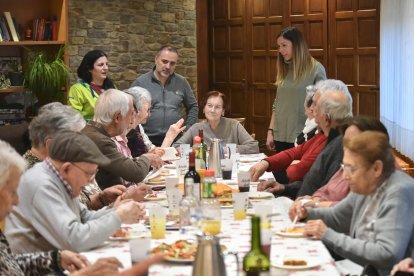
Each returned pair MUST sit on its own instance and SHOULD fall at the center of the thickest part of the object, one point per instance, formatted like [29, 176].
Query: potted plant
[46, 75]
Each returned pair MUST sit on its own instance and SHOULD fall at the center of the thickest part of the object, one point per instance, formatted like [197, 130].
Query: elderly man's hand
[406, 265]
[102, 267]
[110, 194]
[271, 186]
[157, 150]
[258, 170]
[130, 211]
[154, 159]
[315, 229]
[137, 193]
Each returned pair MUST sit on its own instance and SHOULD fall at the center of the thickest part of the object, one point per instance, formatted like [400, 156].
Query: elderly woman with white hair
[53, 118]
[138, 141]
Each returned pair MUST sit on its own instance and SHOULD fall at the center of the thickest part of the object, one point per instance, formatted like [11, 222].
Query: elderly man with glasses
[50, 215]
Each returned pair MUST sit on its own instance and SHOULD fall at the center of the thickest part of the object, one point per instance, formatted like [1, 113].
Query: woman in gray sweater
[218, 126]
[374, 224]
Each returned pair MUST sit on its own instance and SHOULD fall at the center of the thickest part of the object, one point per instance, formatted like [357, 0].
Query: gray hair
[9, 159]
[53, 118]
[338, 108]
[110, 102]
[140, 95]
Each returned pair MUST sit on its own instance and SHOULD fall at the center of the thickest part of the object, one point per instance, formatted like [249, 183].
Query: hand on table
[271, 186]
[72, 261]
[102, 267]
[112, 193]
[315, 229]
[138, 192]
[158, 151]
[406, 265]
[258, 169]
[142, 267]
[129, 211]
[154, 160]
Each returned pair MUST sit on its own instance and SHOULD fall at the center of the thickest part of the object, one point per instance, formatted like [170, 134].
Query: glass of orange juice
[201, 173]
[158, 220]
[240, 202]
[211, 226]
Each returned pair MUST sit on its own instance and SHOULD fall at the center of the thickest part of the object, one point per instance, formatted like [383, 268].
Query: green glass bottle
[255, 262]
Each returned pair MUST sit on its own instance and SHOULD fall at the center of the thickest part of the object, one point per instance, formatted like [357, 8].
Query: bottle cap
[209, 173]
[197, 140]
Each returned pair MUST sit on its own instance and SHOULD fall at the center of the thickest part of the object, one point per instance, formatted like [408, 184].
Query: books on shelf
[11, 26]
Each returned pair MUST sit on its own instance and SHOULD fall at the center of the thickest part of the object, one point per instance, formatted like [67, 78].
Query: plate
[177, 260]
[158, 197]
[156, 180]
[143, 235]
[260, 195]
[170, 166]
[310, 264]
[283, 233]
[250, 160]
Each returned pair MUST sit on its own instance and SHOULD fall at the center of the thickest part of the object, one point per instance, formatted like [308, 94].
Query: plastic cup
[232, 149]
[226, 168]
[182, 166]
[240, 202]
[158, 220]
[210, 223]
[174, 195]
[243, 179]
[140, 248]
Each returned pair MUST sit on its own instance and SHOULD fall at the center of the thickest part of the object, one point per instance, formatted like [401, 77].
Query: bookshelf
[24, 13]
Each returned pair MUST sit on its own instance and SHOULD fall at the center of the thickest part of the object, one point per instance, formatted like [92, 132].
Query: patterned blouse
[25, 264]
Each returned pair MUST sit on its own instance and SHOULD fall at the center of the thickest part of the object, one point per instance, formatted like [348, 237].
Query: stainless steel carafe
[209, 260]
[215, 155]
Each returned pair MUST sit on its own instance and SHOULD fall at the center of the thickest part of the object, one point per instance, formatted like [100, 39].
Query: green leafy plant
[46, 75]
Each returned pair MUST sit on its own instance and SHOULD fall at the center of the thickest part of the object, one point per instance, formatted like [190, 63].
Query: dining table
[235, 237]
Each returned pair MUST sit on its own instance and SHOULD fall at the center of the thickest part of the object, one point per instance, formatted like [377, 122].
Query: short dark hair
[216, 93]
[168, 48]
[87, 64]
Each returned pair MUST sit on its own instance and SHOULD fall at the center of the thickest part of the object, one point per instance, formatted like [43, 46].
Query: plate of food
[126, 233]
[156, 180]
[155, 197]
[181, 251]
[260, 195]
[165, 172]
[296, 231]
[296, 263]
[170, 166]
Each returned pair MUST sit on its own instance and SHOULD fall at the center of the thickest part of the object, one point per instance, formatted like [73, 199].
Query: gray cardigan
[228, 130]
[393, 235]
[48, 218]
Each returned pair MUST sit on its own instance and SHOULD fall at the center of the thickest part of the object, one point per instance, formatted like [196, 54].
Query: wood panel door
[354, 51]
[241, 59]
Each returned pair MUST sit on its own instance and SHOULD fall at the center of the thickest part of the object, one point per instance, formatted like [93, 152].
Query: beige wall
[130, 32]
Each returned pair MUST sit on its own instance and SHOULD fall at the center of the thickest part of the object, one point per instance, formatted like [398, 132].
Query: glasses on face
[348, 169]
[90, 175]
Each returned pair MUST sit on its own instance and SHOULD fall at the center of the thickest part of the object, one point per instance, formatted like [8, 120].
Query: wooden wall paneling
[354, 51]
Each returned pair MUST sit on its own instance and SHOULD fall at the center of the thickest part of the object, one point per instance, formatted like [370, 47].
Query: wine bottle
[193, 176]
[200, 163]
[256, 262]
[203, 146]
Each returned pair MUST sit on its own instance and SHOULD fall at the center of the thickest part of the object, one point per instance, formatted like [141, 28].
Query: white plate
[161, 181]
[127, 238]
[177, 260]
[260, 195]
[170, 166]
[282, 233]
[159, 197]
[310, 264]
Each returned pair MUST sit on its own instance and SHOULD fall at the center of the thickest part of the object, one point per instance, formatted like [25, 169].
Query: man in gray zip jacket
[172, 97]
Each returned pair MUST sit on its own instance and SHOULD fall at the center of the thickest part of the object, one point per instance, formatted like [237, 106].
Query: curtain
[397, 73]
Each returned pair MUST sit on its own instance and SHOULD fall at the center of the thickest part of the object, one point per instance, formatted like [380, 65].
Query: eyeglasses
[348, 169]
[90, 175]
